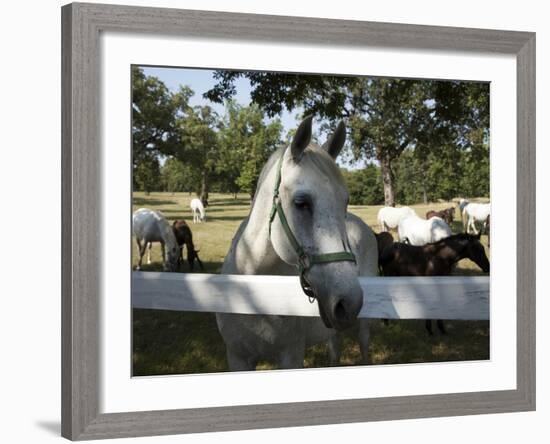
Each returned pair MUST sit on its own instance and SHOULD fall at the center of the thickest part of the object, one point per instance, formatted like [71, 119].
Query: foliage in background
[246, 142]
[422, 140]
[384, 116]
[364, 185]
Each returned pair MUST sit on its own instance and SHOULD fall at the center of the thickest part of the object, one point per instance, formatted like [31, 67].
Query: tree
[385, 116]
[177, 176]
[364, 185]
[154, 110]
[198, 143]
[147, 175]
[246, 142]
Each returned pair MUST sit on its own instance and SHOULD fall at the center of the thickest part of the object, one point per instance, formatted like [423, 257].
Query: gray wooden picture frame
[81, 172]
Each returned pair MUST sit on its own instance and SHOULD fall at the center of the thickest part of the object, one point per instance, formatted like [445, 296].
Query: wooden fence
[449, 297]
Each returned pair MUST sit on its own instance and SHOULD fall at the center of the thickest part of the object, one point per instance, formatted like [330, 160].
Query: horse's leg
[149, 252]
[364, 339]
[237, 363]
[429, 327]
[441, 327]
[292, 357]
[472, 223]
[162, 250]
[141, 249]
[334, 349]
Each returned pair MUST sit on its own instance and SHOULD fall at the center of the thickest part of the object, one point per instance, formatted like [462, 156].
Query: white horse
[389, 217]
[199, 214]
[476, 212]
[298, 224]
[420, 231]
[151, 226]
[461, 205]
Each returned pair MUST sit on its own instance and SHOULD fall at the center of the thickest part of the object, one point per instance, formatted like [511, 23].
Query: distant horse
[185, 237]
[151, 226]
[199, 215]
[433, 259]
[461, 205]
[476, 212]
[447, 215]
[389, 217]
[299, 225]
[418, 231]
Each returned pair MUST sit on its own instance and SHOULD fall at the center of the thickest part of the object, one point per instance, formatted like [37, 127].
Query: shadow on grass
[216, 218]
[145, 201]
[209, 267]
[457, 227]
[171, 342]
[228, 202]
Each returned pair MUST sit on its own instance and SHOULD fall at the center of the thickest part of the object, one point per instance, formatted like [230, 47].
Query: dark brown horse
[185, 237]
[436, 259]
[448, 215]
[384, 240]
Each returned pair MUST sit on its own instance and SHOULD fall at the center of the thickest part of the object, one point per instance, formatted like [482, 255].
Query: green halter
[305, 260]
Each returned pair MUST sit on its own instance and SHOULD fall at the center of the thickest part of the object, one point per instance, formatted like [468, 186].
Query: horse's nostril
[340, 312]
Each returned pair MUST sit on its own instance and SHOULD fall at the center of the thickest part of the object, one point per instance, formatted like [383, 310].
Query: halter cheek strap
[305, 260]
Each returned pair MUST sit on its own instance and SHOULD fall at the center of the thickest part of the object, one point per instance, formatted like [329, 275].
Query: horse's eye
[302, 204]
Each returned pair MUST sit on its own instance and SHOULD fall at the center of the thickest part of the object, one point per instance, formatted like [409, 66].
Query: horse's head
[313, 199]
[450, 214]
[172, 254]
[172, 249]
[475, 251]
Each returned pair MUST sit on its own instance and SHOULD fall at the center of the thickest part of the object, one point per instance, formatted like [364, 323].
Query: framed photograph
[277, 221]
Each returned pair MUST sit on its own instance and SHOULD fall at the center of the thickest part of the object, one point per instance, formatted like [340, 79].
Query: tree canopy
[419, 140]
[385, 116]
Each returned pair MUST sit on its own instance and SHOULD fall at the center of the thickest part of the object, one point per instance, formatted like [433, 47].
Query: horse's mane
[459, 238]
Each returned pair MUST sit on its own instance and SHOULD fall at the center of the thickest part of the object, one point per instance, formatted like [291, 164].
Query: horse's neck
[168, 235]
[452, 253]
[255, 242]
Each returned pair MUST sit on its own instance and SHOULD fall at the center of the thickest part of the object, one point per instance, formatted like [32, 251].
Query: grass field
[167, 342]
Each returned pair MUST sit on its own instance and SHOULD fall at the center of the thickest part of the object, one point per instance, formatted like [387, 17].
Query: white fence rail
[450, 297]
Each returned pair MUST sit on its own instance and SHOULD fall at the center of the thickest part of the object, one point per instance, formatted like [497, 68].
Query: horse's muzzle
[341, 312]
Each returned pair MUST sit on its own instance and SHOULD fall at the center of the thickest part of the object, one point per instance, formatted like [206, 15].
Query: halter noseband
[305, 260]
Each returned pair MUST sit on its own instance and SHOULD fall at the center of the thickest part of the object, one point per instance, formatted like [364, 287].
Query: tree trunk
[204, 186]
[424, 194]
[204, 189]
[387, 180]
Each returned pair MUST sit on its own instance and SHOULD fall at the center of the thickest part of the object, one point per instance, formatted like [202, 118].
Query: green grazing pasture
[167, 342]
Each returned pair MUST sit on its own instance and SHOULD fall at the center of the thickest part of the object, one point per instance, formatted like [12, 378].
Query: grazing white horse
[476, 212]
[420, 231]
[151, 226]
[299, 225]
[199, 214]
[389, 217]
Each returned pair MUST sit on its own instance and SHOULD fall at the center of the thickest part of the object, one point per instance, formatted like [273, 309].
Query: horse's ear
[335, 143]
[301, 139]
